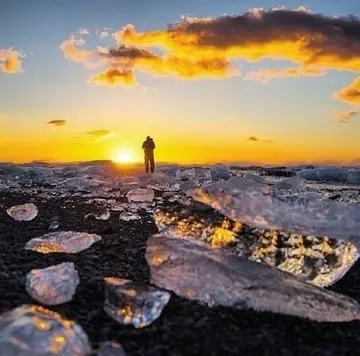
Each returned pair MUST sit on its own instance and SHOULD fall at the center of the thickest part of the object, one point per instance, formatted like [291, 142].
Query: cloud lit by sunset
[191, 77]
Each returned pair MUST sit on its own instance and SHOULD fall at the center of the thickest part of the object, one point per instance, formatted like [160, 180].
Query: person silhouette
[148, 146]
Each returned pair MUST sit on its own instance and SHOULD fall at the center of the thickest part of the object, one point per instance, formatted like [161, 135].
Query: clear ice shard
[129, 216]
[53, 285]
[220, 171]
[25, 212]
[194, 270]
[109, 348]
[29, 328]
[62, 242]
[132, 303]
[317, 260]
[140, 195]
[304, 215]
[290, 183]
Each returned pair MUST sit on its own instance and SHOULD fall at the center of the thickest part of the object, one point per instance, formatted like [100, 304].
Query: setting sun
[124, 156]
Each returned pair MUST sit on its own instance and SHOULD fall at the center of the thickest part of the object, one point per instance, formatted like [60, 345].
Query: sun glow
[124, 156]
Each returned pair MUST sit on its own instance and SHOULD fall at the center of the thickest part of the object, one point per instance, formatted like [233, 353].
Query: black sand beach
[185, 327]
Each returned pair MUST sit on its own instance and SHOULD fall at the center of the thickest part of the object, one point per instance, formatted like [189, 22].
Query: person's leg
[146, 164]
[152, 163]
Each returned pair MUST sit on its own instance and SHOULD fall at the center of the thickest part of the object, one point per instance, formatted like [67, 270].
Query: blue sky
[227, 110]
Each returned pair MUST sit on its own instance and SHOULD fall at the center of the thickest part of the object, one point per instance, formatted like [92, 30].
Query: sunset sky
[209, 80]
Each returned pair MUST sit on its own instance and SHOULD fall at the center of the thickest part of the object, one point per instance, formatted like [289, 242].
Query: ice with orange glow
[25, 212]
[53, 285]
[30, 329]
[132, 303]
[62, 242]
[317, 260]
[194, 270]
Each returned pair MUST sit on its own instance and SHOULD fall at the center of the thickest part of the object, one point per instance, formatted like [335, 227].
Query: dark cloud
[346, 116]
[257, 139]
[57, 122]
[99, 133]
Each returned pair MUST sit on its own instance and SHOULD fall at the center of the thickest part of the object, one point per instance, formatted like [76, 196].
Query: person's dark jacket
[148, 145]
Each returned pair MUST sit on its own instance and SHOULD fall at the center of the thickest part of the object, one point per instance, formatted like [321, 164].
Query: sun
[124, 156]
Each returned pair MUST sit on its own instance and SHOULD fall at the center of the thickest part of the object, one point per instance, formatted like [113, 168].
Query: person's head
[148, 137]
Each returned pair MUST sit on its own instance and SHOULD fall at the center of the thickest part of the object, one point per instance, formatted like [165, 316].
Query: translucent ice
[133, 303]
[53, 285]
[109, 348]
[29, 328]
[304, 215]
[318, 260]
[62, 242]
[220, 172]
[194, 270]
[25, 212]
[129, 216]
[140, 195]
[290, 183]
[354, 176]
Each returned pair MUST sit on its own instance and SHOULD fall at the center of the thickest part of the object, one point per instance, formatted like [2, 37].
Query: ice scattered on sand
[62, 242]
[129, 216]
[30, 329]
[110, 348]
[141, 195]
[53, 285]
[132, 303]
[25, 212]
[303, 215]
[194, 270]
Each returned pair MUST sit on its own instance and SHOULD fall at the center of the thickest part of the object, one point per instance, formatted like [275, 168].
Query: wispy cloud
[257, 139]
[266, 75]
[10, 61]
[350, 94]
[346, 116]
[57, 122]
[100, 135]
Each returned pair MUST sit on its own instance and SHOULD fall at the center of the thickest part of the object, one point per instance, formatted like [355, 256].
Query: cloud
[72, 49]
[99, 133]
[57, 122]
[346, 116]
[256, 139]
[206, 47]
[266, 75]
[350, 94]
[299, 36]
[10, 61]
[113, 76]
[83, 31]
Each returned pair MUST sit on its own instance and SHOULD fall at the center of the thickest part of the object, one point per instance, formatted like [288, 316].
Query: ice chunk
[317, 260]
[308, 174]
[102, 214]
[332, 174]
[109, 348]
[194, 270]
[140, 195]
[290, 183]
[188, 185]
[220, 172]
[129, 216]
[202, 173]
[353, 177]
[256, 178]
[25, 212]
[54, 224]
[186, 173]
[62, 242]
[304, 215]
[132, 303]
[53, 285]
[29, 329]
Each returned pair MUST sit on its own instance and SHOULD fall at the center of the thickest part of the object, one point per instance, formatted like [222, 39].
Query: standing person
[148, 146]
